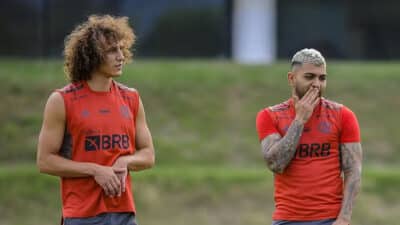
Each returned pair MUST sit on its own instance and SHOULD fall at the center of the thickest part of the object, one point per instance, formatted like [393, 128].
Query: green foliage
[203, 112]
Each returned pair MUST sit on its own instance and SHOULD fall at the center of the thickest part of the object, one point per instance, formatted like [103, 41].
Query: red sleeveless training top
[100, 127]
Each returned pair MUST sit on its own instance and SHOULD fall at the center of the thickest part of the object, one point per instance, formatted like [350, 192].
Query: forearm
[58, 166]
[352, 184]
[279, 154]
[351, 166]
[142, 159]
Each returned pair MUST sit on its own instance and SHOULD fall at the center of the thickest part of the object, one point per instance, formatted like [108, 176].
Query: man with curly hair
[94, 129]
[309, 143]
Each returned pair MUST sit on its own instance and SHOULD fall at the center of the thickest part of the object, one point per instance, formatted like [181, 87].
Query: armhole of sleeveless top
[65, 129]
[136, 104]
[65, 106]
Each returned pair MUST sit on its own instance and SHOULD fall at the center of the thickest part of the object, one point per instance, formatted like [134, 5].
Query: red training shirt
[311, 187]
[100, 127]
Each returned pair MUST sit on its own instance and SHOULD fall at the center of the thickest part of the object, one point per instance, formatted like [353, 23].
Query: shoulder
[329, 104]
[271, 111]
[123, 88]
[346, 114]
[279, 107]
[71, 88]
[55, 98]
[55, 105]
[131, 95]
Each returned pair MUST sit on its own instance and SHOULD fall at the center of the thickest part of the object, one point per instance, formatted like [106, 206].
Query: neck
[100, 83]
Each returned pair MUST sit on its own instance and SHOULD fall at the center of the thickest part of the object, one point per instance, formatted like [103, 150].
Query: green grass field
[190, 195]
[202, 117]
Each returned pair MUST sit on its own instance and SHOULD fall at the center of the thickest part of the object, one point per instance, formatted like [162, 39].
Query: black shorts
[313, 222]
[104, 219]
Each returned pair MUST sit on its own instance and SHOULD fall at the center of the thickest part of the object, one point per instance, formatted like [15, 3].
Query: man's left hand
[121, 174]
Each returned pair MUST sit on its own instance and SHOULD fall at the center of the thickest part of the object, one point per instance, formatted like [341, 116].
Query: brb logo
[313, 150]
[106, 142]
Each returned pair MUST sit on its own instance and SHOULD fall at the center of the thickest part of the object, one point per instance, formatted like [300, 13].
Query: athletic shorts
[104, 219]
[314, 222]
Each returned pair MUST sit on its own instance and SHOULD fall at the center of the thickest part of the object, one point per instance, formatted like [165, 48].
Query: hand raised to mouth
[304, 107]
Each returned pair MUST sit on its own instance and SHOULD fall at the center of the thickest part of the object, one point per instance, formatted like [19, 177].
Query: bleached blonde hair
[308, 55]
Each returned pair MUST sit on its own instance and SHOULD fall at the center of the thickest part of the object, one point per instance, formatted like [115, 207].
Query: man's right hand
[305, 106]
[106, 177]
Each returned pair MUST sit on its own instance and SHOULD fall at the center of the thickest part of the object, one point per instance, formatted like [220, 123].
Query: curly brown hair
[86, 46]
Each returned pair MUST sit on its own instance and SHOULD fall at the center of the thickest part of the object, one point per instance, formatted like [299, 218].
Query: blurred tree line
[37, 28]
[356, 29]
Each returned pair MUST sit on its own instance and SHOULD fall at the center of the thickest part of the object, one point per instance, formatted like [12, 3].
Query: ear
[290, 77]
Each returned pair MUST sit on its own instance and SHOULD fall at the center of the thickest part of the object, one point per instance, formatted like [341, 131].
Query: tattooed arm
[351, 166]
[278, 151]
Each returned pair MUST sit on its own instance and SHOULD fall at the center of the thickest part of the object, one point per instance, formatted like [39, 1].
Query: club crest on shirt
[85, 113]
[324, 127]
[125, 112]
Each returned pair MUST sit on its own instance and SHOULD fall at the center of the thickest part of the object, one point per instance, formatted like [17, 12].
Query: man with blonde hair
[310, 143]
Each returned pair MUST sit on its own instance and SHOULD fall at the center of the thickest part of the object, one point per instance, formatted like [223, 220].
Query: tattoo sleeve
[278, 151]
[351, 166]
